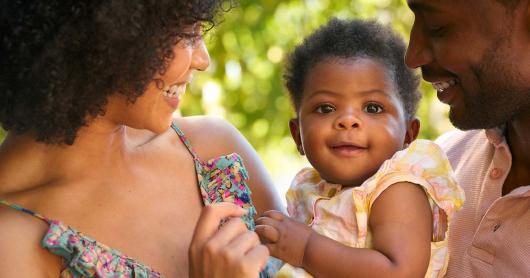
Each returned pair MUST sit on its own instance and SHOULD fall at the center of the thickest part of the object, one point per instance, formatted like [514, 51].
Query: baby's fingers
[267, 234]
[274, 214]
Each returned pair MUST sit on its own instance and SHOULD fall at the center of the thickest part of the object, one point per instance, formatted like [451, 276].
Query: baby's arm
[401, 226]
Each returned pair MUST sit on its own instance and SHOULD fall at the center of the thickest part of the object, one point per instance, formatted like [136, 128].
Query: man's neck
[518, 138]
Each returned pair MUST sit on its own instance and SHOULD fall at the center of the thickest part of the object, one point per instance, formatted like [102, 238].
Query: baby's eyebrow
[323, 92]
[360, 93]
[372, 92]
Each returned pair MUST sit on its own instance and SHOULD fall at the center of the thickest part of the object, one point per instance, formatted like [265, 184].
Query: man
[476, 53]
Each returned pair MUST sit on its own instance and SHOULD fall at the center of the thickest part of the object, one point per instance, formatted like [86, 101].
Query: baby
[376, 202]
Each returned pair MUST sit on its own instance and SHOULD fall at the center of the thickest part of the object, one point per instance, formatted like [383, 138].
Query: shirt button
[495, 173]
[496, 227]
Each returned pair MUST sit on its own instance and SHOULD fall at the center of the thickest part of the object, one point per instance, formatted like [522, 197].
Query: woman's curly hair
[61, 60]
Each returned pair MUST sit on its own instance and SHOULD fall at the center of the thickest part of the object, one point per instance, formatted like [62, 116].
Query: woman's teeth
[441, 86]
[174, 91]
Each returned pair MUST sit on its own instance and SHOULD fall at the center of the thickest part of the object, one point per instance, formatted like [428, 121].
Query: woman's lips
[173, 94]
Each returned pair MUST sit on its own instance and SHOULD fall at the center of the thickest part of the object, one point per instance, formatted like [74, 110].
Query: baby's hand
[285, 237]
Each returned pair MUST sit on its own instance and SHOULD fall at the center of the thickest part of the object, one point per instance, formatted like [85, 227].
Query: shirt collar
[496, 135]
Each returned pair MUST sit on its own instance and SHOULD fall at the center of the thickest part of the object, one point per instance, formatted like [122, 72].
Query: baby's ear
[294, 126]
[413, 129]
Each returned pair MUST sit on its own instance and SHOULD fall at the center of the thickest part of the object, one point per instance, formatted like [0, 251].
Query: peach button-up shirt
[490, 235]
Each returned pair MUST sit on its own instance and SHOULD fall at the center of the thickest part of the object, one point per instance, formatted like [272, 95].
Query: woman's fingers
[211, 217]
[256, 258]
[229, 232]
[203, 250]
[244, 242]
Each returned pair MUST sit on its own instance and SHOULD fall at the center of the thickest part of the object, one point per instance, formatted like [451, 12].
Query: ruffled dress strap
[25, 210]
[222, 179]
[83, 256]
[186, 142]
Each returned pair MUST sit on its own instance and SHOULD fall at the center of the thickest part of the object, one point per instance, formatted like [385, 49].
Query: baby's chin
[348, 180]
[344, 181]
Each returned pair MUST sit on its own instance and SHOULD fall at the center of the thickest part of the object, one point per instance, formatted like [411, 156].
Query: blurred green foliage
[248, 51]
[244, 81]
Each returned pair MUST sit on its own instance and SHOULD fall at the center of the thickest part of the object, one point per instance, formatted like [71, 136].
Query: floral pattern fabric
[342, 213]
[221, 179]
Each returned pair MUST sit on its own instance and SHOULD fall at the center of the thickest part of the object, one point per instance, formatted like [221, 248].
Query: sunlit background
[244, 82]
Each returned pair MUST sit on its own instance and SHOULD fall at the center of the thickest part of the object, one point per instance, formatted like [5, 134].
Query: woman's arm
[401, 226]
[212, 137]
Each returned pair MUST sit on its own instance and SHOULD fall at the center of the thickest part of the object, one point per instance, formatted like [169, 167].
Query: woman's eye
[373, 108]
[325, 108]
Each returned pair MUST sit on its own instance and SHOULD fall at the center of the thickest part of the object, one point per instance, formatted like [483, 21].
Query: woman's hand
[227, 250]
[285, 237]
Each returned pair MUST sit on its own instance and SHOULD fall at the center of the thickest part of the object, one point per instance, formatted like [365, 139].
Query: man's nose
[418, 52]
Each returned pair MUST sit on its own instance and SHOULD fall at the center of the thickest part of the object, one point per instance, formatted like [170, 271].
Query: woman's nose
[201, 58]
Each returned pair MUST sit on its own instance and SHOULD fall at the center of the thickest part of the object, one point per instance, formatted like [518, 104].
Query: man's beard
[502, 92]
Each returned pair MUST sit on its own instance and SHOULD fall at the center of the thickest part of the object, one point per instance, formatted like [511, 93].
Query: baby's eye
[325, 108]
[373, 108]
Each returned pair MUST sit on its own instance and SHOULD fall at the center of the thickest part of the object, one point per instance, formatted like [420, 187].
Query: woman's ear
[413, 128]
[294, 126]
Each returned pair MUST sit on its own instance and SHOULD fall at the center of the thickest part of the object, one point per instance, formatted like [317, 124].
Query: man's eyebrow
[420, 7]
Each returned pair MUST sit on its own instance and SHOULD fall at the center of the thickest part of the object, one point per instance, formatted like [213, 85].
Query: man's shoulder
[460, 139]
[470, 148]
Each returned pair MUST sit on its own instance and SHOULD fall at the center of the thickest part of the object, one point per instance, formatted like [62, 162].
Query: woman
[87, 93]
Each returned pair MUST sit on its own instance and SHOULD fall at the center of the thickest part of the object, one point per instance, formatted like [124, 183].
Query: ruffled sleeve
[425, 164]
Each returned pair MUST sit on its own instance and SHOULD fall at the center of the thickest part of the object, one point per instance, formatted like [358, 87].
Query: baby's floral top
[342, 213]
[220, 179]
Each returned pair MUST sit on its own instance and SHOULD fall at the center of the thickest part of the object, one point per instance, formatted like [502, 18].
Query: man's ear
[413, 128]
[294, 126]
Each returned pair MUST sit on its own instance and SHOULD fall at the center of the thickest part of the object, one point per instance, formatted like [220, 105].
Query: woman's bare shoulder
[211, 136]
[20, 238]
[199, 126]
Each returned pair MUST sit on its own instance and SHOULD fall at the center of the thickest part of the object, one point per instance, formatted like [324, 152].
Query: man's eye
[325, 108]
[373, 108]
[436, 32]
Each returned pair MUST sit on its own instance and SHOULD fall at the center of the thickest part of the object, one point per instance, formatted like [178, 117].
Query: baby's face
[350, 120]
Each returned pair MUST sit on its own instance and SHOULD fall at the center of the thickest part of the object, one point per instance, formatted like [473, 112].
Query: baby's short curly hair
[62, 59]
[353, 39]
